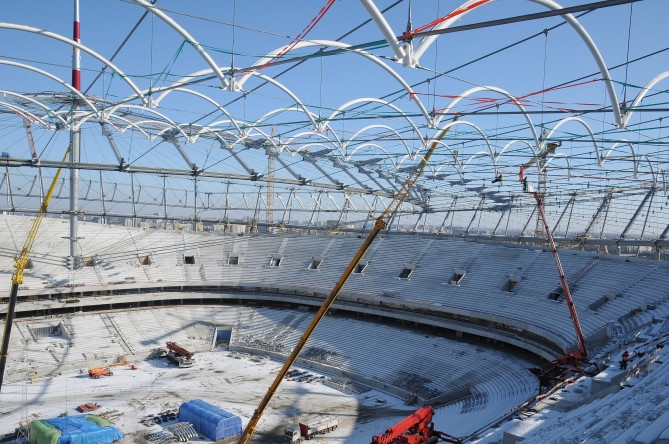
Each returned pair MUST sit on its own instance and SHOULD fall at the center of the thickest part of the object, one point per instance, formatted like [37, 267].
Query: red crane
[573, 357]
[573, 360]
[416, 428]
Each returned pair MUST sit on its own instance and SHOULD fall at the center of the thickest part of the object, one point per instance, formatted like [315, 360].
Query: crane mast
[20, 263]
[381, 223]
[582, 354]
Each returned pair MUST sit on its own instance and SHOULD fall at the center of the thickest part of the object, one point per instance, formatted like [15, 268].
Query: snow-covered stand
[211, 421]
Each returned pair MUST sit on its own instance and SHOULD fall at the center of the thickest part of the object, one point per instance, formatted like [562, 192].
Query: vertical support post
[225, 211]
[10, 195]
[415, 226]
[102, 197]
[75, 140]
[634, 217]
[508, 219]
[494, 231]
[134, 208]
[557, 224]
[287, 210]
[317, 206]
[256, 213]
[195, 204]
[571, 212]
[41, 184]
[443, 223]
[522, 232]
[476, 211]
[165, 198]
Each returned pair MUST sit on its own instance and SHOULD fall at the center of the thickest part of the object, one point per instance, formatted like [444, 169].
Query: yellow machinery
[381, 223]
[20, 264]
[550, 149]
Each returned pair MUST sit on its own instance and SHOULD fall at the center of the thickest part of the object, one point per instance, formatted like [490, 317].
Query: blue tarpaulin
[211, 421]
[80, 430]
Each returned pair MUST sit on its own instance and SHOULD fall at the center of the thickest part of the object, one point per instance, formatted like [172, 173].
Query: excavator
[179, 355]
[381, 223]
[20, 264]
[416, 428]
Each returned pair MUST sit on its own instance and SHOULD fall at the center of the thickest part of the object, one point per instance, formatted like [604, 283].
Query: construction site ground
[234, 384]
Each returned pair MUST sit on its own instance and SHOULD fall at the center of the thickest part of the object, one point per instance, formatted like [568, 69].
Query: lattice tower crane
[271, 168]
[20, 264]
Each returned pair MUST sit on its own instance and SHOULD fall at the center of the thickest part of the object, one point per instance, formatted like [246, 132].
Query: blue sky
[156, 55]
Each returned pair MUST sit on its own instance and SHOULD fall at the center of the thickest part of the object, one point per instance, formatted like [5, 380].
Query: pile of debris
[179, 432]
[162, 417]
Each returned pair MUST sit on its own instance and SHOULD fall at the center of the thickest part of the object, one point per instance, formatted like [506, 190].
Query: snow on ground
[236, 385]
[237, 382]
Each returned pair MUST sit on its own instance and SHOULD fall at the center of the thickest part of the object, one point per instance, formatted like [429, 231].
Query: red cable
[301, 35]
[455, 13]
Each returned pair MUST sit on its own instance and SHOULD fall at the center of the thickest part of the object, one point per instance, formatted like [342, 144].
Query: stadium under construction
[386, 222]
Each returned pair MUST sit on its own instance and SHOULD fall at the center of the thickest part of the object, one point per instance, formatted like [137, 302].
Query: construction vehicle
[381, 223]
[416, 428]
[306, 430]
[88, 407]
[20, 264]
[96, 372]
[573, 360]
[179, 355]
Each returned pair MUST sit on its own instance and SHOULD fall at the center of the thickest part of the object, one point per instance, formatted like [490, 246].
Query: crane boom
[419, 423]
[550, 149]
[27, 124]
[20, 263]
[381, 223]
[583, 352]
[31, 141]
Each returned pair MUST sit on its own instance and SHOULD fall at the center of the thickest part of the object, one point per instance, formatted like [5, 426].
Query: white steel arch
[25, 114]
[76, 45]
[72, 89]
[569, 18]
[362, 130]
[186, 35]
[213, 102]
[645, 90]
[350, 103]
[511, 97]
[49, 111]
[490, 152]
[252, 71]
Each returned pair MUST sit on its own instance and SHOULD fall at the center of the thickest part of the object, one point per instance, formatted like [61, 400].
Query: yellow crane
[381, 223]
[20, 263]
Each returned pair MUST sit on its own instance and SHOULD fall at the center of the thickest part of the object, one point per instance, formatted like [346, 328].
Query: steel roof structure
[223, 114]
